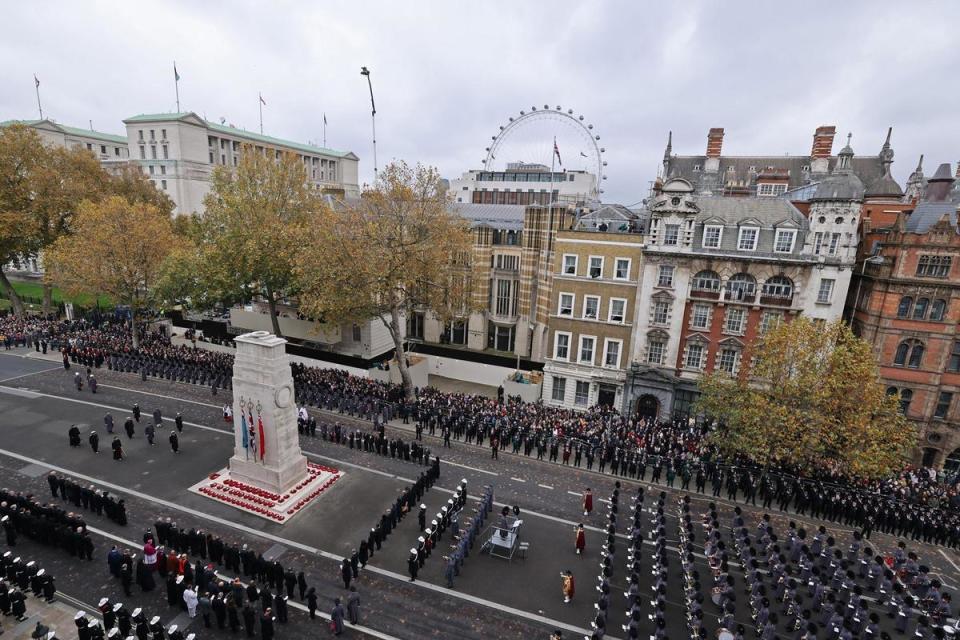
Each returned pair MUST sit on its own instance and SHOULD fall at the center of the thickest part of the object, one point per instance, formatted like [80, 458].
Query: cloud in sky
[447, 74]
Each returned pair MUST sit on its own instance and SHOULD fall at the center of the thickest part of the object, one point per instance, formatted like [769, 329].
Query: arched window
[901, 356]
[741, 286]
[938, 309]
[706, 281]
[920, 309]
[906, 395]
[906, 303]
[910, 353]
[778, 287]
[952, 463]
[916, 356]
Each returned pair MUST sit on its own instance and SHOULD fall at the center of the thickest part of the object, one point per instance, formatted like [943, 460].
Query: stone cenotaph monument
[267, 475]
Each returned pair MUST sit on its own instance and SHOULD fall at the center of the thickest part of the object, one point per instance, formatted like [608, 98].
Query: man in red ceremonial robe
[581, 540]
[587, 502]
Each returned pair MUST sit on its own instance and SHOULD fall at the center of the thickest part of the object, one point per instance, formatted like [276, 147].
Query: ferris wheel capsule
[581, 117]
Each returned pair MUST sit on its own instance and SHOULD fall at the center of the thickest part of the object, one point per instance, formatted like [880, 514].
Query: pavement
[492, 598]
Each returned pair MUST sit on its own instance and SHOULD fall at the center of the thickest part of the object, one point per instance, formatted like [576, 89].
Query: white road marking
[23, 393]
[463, 466]
[947, 558]
[303, 547]
[25, 375]
[160, 395]
[575, 493]
[545, 486]
[518, 479]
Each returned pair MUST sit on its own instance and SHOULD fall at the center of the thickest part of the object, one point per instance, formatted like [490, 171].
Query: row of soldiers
[48, 524]
[465, 538]
[447, 516]
[18, 578]
[88, 497]
[120, 624]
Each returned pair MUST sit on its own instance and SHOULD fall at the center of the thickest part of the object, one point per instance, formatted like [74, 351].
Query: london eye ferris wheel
[529, 138]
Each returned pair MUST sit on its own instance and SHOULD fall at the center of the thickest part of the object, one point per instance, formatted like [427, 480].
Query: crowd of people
[919, 503]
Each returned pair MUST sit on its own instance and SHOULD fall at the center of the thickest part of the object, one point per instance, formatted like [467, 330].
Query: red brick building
[905, 299]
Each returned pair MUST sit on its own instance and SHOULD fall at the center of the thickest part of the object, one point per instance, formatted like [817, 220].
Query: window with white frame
[661, 312]
[728, 360]
[834, 244]
[618, 310]
[591, 307]
[818, 242]
[596, 266]
[559, 391]
[622, 270]
[570, 264]
[581, 395]
[566, 304]
[825, 292]
[665, 276]
[712, 233]
[611, 353]
[768, 189]
[734, 320]
[747, 241]
[785, 238]
[671, 234]
[655, 351]
[769, 320]
[694, 355]
[587, 344]
[561, 345]
[700, 316]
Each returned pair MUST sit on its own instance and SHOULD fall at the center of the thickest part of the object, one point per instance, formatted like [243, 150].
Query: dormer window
[769, 189]
[747, 241]
[784, 241]
[696, 167]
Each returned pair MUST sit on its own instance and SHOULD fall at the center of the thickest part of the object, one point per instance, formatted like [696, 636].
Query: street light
[373, 118]
[863, 268]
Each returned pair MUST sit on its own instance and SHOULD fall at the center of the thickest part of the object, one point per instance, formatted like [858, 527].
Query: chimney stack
[714, 142]
[823, 142]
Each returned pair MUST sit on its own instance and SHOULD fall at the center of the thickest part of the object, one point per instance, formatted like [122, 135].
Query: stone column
[263, 389]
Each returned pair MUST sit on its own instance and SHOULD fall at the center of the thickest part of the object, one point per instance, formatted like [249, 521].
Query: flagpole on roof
[36, 83]
[176, 84]
[259, 95]
[324, 130]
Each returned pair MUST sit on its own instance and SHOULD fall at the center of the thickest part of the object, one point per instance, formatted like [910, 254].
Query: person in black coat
[174, 442]
[280, 607]
[94, 440]
[117, 447]
[346, 572]
[249, 620]
[302, 584]
[312, 602]
[266, 625]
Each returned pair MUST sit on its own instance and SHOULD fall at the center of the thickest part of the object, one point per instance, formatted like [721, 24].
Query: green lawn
[34, 289]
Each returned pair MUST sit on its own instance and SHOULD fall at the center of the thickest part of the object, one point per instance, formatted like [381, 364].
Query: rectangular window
[694, 356]
[700, 316]
[661, 311]
[769, 320]
[211, 155]
[767, 189]
[357, 334]
[784, 240]
[611, 353]
[834, 244]
[503, 297]
[596, 266]
[943, 404]
[151, 169]
[163, 169]
[818, 242]
[934, 266]
[163, 184]
[748, 239]
[825, 293]
[153, 152]
[622, 270]
[153, 134]
[103, 149]
[618, 310]
[954, 364]
[143, 153]
[559, 391]
[665, 276]
[561, 345]
[582, 394]
[116, 151]
[591, 307]
[586, 350]
[655, 351]
[711, 236]
[166, 152]
[140, 135]
[570, 264]
[727, 361]
[671, 234]
[163, 134]
[566, 304]
[734, 320]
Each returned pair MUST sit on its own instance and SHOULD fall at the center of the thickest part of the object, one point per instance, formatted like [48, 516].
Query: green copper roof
[87, 133]
[240, 133]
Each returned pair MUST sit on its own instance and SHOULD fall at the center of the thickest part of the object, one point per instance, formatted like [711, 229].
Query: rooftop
[74, 131]
[500, 216]
[187, 116]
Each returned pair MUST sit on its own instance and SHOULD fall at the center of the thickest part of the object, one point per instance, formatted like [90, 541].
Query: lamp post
[373, 118]
[863, 269]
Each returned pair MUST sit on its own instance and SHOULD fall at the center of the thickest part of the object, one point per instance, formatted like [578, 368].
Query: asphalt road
[492, 597]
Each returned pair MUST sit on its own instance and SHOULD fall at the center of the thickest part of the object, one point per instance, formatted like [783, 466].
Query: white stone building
[179, 152]
[523, 184]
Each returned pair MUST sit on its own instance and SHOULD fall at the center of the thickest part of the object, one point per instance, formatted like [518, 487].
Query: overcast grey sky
[446, 74]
